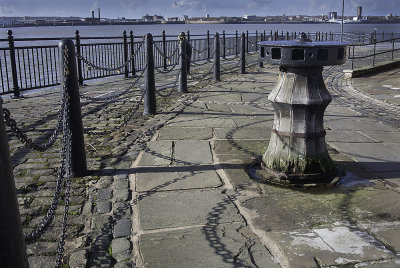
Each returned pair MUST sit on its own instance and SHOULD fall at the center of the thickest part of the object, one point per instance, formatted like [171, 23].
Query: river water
[175, 29]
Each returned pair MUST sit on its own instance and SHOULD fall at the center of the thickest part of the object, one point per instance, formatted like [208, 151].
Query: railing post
[373, 58]
[216, 73]
[295, 35]
[16, 91]
[79, 61]
[247, 41]
[188, 36]
[243, 55]
[12, 247]
[271, 36]
[164, 46]
[149, 98]
[256, 40]
[223, 45]
[182, 64]
[236, 42]
[132, 55]
[208, 45]
[392, 45]
[126, 54]
[287, 35]
[69, 78]
[265, 36]
[352, 59]
[262, 54]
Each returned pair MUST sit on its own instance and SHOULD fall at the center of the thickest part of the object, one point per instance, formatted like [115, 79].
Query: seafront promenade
[173, 190]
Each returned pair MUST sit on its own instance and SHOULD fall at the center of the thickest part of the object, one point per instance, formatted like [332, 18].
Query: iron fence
[26, 67]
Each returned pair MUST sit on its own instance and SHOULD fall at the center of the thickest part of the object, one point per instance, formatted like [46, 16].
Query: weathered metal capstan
[297, 150]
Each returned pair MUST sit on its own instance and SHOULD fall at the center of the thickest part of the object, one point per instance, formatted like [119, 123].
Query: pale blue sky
[192, 8]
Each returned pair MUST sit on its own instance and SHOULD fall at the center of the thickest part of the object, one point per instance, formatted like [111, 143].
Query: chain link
[113, 97]
[23, 138]
[123, 124]
[158, 91]
[168, 70]
[165, 56]
[109, 69]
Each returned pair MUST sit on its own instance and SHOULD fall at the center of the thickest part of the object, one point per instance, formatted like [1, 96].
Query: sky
[193, 8]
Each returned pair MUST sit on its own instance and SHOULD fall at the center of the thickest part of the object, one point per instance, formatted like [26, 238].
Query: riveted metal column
[68, 77]
[223, 45]
[132, 54]
[217, 71]
[182, 64]
[150, 91]
[12, 246]
[164, 46]
[126, 54]
[16, 91]
[79, 61]
[243, 54]
[208, 45]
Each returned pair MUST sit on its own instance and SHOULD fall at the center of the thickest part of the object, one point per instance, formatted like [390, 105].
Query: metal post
[243, 55]
[70, 80]
[132, 54]
[392, 45]
[150, 91]
[12, 247]
[264, 36]
[271, 36]
[256, 41]
[247, 41]
[295, 35]
[188, 36]
[126, 54]
[164, 46]
[217, 72]
[223, 45]
[236, 42]
[182, 64]
[13, 65]
[208, 45]
[352, 60]
[383, 36]
[287, 35]
[262, 54]
[373, 58]
[79, 61]
[341, 26]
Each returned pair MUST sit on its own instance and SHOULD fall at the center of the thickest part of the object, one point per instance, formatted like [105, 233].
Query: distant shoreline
[189, 22]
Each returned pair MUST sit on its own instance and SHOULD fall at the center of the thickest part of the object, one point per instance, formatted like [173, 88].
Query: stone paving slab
[171, 178]
[332, 245]
[348, 136]
[391, 137]
[185, 208]
[223, 245]
[190, 152]
[253, 133]
[249, 147]
[191, 121]
[341, 123]
[157, 153]
[388, 232]
[185, 133]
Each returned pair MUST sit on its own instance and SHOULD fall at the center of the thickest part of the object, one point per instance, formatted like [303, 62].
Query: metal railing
[363, 55]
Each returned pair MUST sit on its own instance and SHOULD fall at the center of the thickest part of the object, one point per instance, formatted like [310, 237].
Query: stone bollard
[182, 63]
[217, 65]
[243, 54]
[12, 246]
[297, 145]
[149, 98]
[70, 80]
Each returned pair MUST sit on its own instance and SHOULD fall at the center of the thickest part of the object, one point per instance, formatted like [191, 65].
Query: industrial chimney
[92, 14]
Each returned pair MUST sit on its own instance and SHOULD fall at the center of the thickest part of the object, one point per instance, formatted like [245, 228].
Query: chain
[108, 69]
[202, 76]
[164, 88]
[123, 124]
[165, 56]
[113, 97]
[22, 137]
[169, 70]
